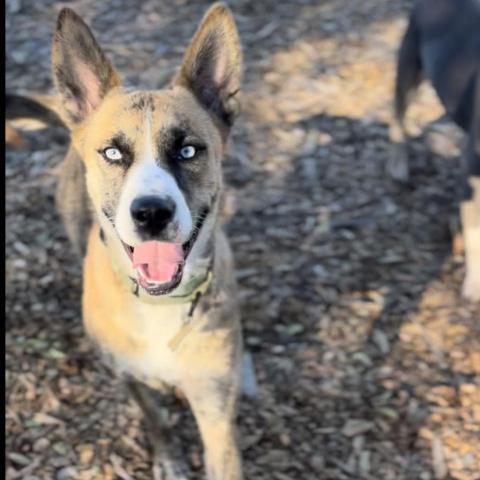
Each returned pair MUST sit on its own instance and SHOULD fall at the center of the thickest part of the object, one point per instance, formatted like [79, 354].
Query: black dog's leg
[409, 74]
[470, 207]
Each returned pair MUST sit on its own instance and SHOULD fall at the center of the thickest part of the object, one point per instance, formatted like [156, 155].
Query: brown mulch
[367, 358]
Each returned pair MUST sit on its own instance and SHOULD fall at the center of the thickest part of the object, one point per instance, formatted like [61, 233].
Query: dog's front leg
[470, 209]
[408, 77]
[213, 403]
[167, 462]
[470, 213]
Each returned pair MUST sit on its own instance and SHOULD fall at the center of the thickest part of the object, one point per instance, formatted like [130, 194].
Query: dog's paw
[471, 288]
[444, 138]
[165, 469]
[397, 163]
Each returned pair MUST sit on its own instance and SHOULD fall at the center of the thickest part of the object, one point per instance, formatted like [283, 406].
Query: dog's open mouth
[159, 265]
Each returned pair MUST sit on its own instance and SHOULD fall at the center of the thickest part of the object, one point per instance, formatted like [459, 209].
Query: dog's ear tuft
[212, 66]
[82, 72]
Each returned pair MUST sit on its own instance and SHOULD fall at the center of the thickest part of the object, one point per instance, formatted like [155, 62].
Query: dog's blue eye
[188, 152]
[113, 154]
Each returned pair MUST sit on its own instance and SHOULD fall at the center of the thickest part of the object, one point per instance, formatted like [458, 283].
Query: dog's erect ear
[212, 66]
[82, 73]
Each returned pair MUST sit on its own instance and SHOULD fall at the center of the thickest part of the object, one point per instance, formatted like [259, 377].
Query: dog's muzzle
[159, 265]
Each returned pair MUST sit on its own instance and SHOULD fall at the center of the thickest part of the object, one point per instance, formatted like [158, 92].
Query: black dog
[442, 43]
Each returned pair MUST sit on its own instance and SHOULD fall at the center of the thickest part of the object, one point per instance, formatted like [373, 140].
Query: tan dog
[141, 188]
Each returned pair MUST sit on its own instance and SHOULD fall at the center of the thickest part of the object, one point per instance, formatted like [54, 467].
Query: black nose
[152, 214]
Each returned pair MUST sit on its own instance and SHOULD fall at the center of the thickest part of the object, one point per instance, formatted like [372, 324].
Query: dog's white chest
[154, 328]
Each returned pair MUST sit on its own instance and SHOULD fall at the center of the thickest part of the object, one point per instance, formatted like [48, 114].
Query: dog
[140, 192]
[442, 43]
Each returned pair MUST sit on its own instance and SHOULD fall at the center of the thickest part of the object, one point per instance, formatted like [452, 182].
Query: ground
[367, 358]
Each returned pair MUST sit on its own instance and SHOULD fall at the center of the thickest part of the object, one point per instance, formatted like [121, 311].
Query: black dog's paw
[444, 138]
[397, 163]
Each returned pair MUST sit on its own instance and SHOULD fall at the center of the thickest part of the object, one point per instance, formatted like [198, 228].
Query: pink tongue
[158, 260]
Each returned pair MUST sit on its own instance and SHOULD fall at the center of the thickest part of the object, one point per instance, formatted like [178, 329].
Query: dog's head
[153, 159]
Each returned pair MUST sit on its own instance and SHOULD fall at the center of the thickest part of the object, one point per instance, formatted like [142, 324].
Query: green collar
[197, 286]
